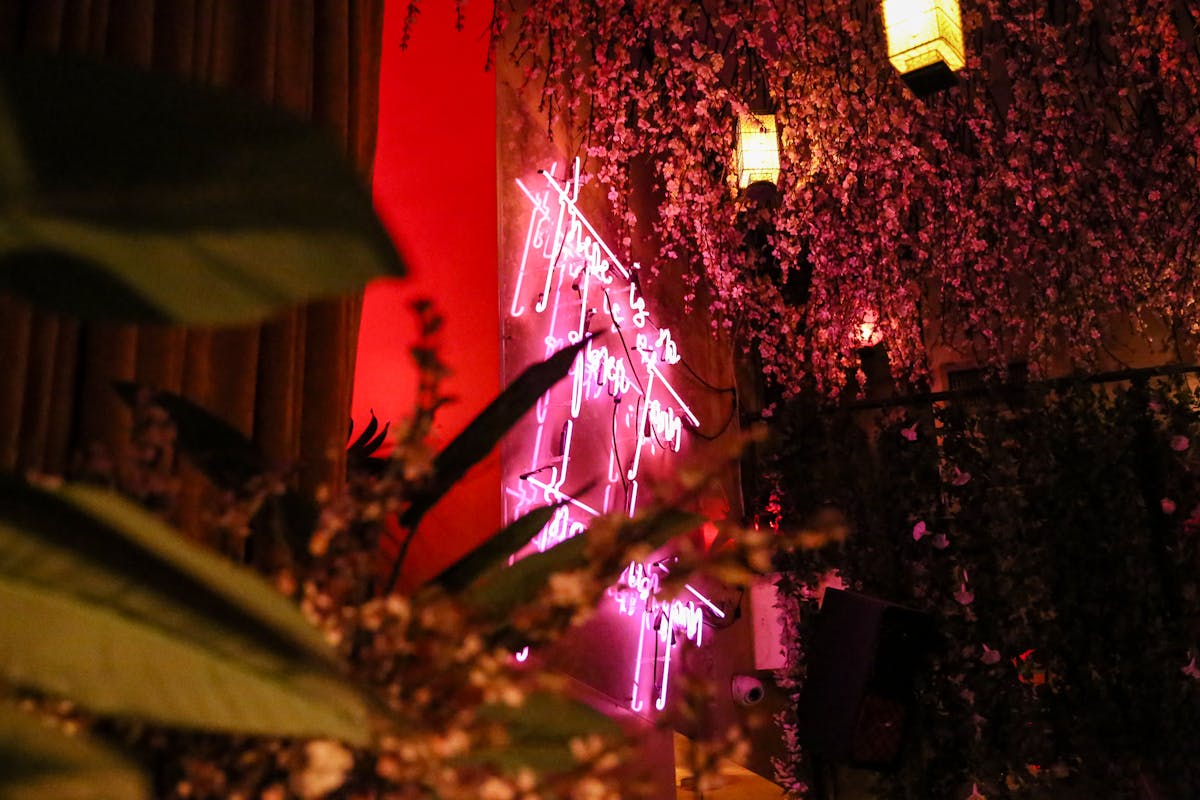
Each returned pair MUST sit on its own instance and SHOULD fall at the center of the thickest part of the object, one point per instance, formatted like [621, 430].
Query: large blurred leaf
[103, 603]
[541, 730]
[129, 195]
[231, 461]
[495, 551]
[218, 449]
[39, 763]
[487, 429]
[501, 588]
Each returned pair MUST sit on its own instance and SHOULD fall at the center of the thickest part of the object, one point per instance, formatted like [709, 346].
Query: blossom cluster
[457, 714]
[1023, 215]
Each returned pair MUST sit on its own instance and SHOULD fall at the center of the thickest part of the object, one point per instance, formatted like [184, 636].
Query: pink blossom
[849, 143]
[1192, 523]
[960, 477]
[1168, 505]
[918, 531]
[1179, 443]
[975, 795]
[990, 656]
[964, 596]
[1191, 670]
[909, 433]
[941, 541]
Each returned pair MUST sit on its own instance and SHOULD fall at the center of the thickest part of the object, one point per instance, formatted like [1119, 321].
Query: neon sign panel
[636, 595]
[617, 419]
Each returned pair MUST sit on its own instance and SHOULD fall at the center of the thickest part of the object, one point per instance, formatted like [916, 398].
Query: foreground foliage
[199, 209]
[133, 196]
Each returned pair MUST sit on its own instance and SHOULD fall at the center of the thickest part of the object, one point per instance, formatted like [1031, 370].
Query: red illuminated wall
[435, 189]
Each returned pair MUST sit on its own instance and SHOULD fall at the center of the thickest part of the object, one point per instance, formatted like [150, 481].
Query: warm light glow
[757, 150]
[922, 33]
[869, 333]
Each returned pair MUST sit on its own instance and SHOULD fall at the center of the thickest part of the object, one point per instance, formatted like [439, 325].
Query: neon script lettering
[591, 437]
[636, 595]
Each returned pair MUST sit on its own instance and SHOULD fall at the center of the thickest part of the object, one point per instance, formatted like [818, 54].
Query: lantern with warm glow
[757, 156]
[925, 42]
[869, 333]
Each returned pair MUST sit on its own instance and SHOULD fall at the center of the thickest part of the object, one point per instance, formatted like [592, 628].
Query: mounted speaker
[858, 694]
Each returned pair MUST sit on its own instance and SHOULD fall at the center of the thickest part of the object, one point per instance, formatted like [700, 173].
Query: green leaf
[501, 588]
[540, 732]
[487, 429]
[102, 603]
[361, 453]
[289, 519]
[128, 195]
[495, 551]
[219, 450]
[231, 461]
[40, 763]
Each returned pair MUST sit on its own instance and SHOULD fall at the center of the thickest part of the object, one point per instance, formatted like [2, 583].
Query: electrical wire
[704, 383]
[632, 371]
[617, 453]
[624, 346]
[695, 430]
[730, 390]
[733, 406]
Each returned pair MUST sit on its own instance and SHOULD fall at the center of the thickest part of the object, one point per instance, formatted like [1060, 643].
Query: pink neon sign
[617, 420]
[636, 595]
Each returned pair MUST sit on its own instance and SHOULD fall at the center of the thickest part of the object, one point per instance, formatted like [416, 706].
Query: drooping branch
[1050, 194]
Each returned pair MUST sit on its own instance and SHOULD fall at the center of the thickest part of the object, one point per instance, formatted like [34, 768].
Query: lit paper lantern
[757, 150]
[869, 333]
[925, 42]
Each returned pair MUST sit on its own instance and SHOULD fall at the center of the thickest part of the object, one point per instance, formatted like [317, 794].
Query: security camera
[747, 690]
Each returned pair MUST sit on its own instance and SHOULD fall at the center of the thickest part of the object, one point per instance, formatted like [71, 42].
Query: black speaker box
[858, 693]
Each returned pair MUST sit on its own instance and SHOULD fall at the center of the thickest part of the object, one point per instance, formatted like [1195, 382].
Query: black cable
[624, 346]
[632, 370]
[695, 430]
[653, 432]
[656, 684]
[704, 383]
[617, 453]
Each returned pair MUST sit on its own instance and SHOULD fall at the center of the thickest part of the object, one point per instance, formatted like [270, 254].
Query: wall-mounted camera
[747, 690]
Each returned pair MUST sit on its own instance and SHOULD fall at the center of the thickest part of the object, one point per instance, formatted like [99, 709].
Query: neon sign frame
[617, 418]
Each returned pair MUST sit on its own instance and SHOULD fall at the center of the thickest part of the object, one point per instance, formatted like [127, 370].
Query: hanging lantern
[757, 155]
[925, 42]
[869, 332]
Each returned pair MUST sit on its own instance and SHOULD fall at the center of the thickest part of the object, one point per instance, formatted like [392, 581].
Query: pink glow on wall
[612, 424]
[435, 189]
[664, 622]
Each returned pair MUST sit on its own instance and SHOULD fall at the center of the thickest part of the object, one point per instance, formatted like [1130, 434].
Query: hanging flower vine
[1015, 217]
[1064, 589]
